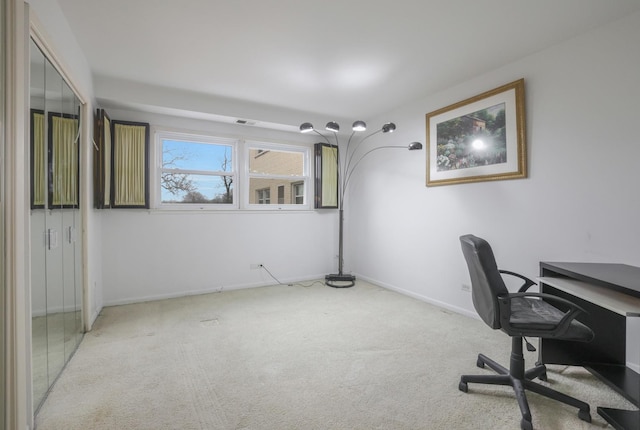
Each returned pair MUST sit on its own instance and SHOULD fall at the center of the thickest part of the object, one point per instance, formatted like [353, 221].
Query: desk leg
[621, 419]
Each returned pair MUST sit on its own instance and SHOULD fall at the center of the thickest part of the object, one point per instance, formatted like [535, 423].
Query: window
[278, 170]
[196, 170]
[202, 172]
[280, 194]
[263, 196]
[298, 193]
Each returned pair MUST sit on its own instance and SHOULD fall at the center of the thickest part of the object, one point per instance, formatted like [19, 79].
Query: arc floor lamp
[333, 173]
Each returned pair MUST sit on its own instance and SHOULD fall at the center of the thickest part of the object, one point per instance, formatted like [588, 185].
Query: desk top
[619, 277]
[613, 300]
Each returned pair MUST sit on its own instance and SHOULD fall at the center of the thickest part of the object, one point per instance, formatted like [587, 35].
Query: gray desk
[610, 293]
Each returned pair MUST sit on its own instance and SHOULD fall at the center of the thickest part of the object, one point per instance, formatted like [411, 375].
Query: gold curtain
[39, 159]
[129, 146]
[329, 176]
[65, 161]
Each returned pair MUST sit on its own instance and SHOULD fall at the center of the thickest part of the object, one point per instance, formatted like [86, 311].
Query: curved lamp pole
[345, 168]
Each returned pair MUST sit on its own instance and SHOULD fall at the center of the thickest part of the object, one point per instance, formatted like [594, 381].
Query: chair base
[521, 381]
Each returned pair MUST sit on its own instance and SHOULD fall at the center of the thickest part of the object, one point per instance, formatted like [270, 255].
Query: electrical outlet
[466, 287]
[255, 266]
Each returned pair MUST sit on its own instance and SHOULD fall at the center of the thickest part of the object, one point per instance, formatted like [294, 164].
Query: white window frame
[305, 178]
[156, 176]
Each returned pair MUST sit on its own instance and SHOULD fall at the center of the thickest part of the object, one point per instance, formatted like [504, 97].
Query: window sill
[206, 210]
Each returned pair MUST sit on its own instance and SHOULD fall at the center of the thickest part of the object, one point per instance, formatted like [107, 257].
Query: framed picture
[478, 139]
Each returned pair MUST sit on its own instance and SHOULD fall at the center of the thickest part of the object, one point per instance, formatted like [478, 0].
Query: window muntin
[196, 170]
[280, 169]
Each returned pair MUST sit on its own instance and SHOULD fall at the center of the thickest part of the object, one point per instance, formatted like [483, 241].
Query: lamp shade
[333, 126]
[306, 127]
[359, 126]
[388, 127]
[415, 145]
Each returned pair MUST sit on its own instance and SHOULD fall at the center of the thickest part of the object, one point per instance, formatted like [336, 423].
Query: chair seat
[536, 314]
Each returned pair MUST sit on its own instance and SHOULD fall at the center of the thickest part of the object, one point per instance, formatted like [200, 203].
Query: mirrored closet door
[56, 254]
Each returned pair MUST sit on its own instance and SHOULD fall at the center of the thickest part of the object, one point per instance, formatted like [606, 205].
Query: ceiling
[343, 59]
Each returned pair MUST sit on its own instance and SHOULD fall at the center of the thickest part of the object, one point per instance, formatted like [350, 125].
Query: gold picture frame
[478, 139]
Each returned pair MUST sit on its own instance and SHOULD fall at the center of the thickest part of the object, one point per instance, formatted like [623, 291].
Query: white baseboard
[420, 297]
[174, 295]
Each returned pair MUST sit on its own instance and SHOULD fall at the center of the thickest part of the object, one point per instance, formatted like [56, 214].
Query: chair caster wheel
[584, 416]
[463, 386]
[526, 425]
[480, 363]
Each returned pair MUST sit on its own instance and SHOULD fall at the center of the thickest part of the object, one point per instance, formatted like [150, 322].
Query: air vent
[245, 122]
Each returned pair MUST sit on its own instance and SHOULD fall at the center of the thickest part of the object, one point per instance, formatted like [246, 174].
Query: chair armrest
[562, 325]
[527, 282]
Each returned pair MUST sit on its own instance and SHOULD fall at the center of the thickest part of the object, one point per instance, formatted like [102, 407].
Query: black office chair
[519, 315]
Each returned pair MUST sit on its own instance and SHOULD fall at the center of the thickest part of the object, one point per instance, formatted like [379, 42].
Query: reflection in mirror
[38, 239]
[63, 130]
[65, 139]
[56, 287]
[53, 226]
[38, 159]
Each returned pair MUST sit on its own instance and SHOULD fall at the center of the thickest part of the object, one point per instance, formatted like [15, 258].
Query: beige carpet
[295, 357]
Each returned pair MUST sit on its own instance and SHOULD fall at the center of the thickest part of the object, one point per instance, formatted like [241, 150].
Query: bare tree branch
[175, 183]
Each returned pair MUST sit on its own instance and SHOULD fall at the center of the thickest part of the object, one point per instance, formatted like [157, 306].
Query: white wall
[51, 21]
[580, 202]
[149, 254]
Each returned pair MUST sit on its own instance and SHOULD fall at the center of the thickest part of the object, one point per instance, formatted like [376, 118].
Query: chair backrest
[486, 281]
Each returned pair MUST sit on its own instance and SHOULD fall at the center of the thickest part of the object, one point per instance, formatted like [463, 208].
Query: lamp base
[340, 280]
